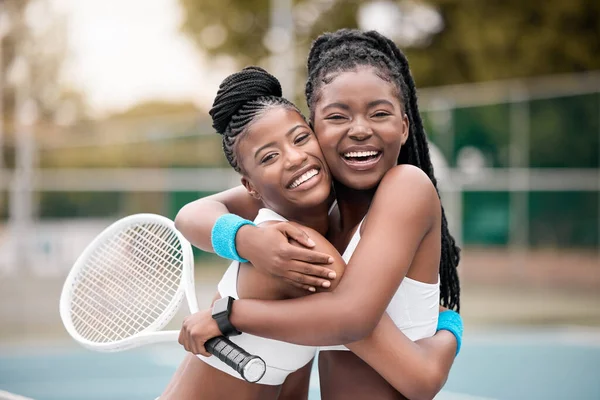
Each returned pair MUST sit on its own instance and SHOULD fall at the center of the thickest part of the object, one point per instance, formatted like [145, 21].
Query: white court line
[104, 387]
[11, 396]
[444, 395]
[562, 335]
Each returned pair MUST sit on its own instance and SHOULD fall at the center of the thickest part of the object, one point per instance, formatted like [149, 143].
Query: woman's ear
[250, 187]
[405, 129]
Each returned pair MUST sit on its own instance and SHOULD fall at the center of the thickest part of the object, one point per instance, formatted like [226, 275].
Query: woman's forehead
[272, 125]
[276, 120]
[361, 84]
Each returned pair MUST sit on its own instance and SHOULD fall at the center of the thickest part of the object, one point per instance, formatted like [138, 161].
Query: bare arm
[418, 369]
[401, 214]
[196, 220]
[392, 234]
[267, 248]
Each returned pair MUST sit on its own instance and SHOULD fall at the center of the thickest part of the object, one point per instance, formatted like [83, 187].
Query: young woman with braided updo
[388, 217]
[269, 143]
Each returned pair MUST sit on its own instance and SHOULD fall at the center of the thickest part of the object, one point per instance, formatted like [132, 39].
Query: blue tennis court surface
[527, 364]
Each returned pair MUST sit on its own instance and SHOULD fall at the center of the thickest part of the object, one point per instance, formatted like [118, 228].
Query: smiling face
[361, 126]
[282, 163]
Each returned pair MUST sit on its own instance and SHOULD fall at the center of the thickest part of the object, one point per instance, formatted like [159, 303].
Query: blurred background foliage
[466, 41]
[509, 92]
[480, 40]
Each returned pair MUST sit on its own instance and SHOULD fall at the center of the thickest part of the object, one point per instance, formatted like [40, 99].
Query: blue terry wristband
[223, 236]
[451, 321]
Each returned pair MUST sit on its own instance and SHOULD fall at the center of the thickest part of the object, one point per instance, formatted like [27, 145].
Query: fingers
[297, 234]
[302, 286]
[184, 336]
[307, 280]
[181, 339]
[202, 351]
[311, 257]
[190, 340]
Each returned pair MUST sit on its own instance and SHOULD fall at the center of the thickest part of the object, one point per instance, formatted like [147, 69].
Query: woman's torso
[414, 309]
[282, 359]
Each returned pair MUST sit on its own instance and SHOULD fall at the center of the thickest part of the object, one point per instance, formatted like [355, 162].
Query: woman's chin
[361, 182]
[312, 199]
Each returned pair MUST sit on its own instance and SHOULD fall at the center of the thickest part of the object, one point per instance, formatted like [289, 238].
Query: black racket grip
[251, 368]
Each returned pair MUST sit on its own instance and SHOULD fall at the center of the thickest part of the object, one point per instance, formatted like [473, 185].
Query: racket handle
[251, 368]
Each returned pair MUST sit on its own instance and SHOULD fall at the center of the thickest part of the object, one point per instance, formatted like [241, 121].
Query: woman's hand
[284, 250]
[196, 330]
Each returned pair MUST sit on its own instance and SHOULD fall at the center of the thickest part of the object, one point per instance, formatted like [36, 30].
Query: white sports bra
[414, 307]
[282, 358]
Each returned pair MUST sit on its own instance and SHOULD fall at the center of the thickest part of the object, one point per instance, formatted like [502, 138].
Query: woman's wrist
[223, 236]
[244, 241]
[451, 321]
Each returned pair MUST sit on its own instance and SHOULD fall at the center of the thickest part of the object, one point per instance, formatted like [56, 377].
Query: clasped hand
[196, 330]
[284, 250]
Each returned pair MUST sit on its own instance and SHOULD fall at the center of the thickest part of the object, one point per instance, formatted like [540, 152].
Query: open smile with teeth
[304, 178]
[359, 156]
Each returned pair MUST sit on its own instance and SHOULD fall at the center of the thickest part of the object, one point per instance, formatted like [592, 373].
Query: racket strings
[156, 240]
[144, 317]
[118, 297]
[128, 283]
[122, 306]
[140, 284]
[140, 256]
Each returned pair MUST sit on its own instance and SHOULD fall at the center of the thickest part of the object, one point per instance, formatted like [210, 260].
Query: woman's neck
[315, 218]
[317, 221]
[353, 204]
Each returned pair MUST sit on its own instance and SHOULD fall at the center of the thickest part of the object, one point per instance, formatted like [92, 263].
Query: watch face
[220, 306]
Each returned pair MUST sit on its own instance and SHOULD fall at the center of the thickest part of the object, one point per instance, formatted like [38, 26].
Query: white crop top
[282, 358]
[414, 307]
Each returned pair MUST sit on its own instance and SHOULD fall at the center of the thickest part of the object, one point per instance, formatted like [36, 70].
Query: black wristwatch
[220, 313]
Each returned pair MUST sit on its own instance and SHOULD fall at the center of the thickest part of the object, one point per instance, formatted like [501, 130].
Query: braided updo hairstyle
[242, 98]
[347, 49]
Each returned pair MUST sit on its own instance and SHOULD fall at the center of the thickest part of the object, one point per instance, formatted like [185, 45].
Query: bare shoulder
[405, 176]
[406, 189]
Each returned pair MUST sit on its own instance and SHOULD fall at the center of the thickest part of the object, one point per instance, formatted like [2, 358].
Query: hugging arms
[416, 369]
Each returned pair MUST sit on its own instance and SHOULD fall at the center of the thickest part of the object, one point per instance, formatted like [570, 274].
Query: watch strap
[222, 318]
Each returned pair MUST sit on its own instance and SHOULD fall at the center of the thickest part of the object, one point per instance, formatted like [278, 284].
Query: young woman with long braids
[363, 107]
[271, 145]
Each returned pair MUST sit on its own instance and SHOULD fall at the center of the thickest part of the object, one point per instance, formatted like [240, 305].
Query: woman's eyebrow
[288, 133]
[337, 105]
[379, 102]
[261, 148]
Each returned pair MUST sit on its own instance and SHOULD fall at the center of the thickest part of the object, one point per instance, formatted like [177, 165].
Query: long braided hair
[347, 49]
[242, 98]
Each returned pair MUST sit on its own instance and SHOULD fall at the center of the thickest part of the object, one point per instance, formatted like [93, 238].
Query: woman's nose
[295, 158]
[360, 132]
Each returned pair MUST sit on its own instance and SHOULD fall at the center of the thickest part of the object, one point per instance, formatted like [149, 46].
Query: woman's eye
[301, 138]
[336, 117]
[268, 158]
[381, 114]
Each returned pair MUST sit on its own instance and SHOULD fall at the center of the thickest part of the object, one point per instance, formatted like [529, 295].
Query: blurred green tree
[33, 44]
[479, 41]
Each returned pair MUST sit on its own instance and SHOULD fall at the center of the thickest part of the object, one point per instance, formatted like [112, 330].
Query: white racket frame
[152, 333]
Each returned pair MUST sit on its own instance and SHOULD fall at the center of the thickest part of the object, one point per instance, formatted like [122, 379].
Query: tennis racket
[129, 283]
